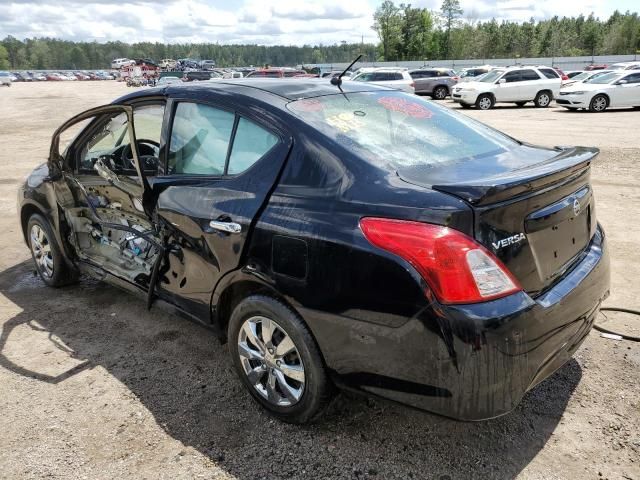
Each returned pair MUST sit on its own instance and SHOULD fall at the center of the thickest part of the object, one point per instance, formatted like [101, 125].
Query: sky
[265, 22]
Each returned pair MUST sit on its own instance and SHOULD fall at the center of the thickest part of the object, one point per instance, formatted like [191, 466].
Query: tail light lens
[412, 84]
[455, 78]
[456, 267]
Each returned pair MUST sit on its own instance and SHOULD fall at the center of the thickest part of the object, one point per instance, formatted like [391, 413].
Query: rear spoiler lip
[570, 162]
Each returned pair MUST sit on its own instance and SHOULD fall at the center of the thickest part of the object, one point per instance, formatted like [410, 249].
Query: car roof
[287, 88]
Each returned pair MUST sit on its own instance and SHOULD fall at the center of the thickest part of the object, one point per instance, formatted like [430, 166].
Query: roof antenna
[337, 81]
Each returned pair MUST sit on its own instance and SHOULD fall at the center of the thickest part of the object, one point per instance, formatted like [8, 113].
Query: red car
[276, 73]
[595, 67]
[54, 77]
[562, 74]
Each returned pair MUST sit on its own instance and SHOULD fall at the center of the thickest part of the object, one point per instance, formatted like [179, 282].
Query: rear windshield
[399, 129]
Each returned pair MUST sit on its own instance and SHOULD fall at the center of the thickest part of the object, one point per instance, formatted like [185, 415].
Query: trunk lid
[533, 207]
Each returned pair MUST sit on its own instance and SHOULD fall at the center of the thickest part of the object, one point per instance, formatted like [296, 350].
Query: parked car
[572, 73]
[118, 63]
[54, 77]
[396, 78]
[335, 73]
[5, 79]
[625, 66]
[232, 74]
[39, 76]
[584, 77]
[359, 236]
[563, 76]
[164, 81]
[167, 63]
[275, 73]
[517, 85]
[611, 90]
[187, 64]
[471, 74]
[207, 64]
[199, 76]
[436, 82]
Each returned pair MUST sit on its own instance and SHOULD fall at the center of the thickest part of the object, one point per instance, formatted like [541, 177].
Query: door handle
[229, 227]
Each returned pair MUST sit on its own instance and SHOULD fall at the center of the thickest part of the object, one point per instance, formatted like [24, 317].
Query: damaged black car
[345, 236]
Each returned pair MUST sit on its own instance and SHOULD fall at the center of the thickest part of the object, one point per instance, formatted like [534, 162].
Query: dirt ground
[93, 386]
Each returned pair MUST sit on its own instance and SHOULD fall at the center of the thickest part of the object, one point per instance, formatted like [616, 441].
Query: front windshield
[595, 75]
[404, 130]
[607, 78]
[491, 76]
[581, 76]
[363, 77]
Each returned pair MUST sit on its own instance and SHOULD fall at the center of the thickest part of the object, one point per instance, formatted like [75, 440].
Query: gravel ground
[92, 385]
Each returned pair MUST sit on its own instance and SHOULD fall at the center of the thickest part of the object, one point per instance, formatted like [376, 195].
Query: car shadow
[182, 375]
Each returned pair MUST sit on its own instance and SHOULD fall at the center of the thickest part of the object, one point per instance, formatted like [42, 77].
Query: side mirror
[621, 82]
[502, 80]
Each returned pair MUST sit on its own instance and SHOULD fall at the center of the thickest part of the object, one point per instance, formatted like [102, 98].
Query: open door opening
[101, 188]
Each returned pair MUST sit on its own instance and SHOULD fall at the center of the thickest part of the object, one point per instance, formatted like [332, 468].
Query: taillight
[456, 267]
[455, 78]
[565, 77]
[412, 84]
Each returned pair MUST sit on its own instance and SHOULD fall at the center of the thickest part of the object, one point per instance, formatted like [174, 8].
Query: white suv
[517, 85]
[118, 63]
[397, 78]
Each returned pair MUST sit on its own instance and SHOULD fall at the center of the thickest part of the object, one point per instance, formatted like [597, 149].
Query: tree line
[408, 33]
[405, 33]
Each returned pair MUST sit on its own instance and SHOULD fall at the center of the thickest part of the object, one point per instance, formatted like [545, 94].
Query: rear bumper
[470, 362]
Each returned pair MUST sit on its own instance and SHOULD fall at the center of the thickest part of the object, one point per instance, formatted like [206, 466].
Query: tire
[439, 93]
[599, 103]
[485, 102]
[543, 99]
[47, 254]
[310, 391]
[521, 104]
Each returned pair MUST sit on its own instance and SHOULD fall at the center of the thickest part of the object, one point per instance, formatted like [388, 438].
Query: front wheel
[278, 360]
[542, 100]
[485, 101]
[599, 103]
[46, 253]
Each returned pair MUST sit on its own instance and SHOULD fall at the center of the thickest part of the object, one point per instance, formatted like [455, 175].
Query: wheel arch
[26, 211]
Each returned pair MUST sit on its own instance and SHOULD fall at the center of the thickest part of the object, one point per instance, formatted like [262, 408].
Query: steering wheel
[147, 161]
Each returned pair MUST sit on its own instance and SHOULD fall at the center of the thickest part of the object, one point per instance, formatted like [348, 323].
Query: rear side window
[529, 75]
[549, 73]
[512, 76]
[250, 144]
[200, 139]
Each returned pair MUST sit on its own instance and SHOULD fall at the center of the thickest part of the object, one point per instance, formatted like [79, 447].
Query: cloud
[270, 22]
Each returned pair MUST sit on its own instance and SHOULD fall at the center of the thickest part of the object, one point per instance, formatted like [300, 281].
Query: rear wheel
[599, 103]
[278, 360]
[542, 100]
[520, 104]
[440, 93]
[485, 101]
[46, 253]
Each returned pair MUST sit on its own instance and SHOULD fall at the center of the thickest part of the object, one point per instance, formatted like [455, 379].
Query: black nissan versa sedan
[349, 236]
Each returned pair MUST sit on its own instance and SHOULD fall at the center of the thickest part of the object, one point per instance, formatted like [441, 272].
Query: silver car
[5, 79]
[437, 82]
[396, 78]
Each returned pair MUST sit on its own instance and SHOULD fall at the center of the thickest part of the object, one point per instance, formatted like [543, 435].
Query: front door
[627, 94]
[509, 90]
[220, 169]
